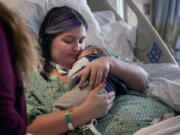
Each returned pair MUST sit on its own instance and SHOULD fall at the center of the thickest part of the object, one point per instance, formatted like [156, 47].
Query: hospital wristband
[69, 121]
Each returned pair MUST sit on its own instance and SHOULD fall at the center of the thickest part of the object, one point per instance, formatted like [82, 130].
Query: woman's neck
[63, 77]
[61, 69]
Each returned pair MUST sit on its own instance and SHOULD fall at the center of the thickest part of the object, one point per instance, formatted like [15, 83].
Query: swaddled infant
[78, 94]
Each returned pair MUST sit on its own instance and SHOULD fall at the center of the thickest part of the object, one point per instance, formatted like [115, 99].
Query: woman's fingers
[110, 97]
[98, 79]
[100, 103]
[93, 79]
[97, 70]
[98, 88]
[84, 74]
[104, 76]
[97, 76]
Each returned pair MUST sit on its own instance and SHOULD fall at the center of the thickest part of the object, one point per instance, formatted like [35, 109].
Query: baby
[77, 95]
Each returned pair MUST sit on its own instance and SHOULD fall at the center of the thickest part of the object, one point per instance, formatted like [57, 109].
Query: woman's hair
[23, 46]
[56, 21]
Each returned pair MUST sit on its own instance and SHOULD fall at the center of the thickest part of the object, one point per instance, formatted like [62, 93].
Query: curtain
[166, 19]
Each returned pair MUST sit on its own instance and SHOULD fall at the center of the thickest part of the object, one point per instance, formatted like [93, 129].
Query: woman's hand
[97, 70]
[134, 76]
[96, 104]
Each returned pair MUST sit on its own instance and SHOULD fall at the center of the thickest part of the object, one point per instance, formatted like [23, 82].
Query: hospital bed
[146, 34]
[147, 38]
[149, 48]
[149, 43]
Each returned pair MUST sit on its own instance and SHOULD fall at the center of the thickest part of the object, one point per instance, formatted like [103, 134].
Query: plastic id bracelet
[69, 121]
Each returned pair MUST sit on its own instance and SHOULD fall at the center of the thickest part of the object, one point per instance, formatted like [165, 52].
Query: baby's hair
[101, 50]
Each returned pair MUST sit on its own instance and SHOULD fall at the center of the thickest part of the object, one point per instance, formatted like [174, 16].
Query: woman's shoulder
[38, 76]
[37, 81]
[41, 93]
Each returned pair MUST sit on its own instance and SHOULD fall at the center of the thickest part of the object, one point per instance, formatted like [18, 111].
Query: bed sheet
[165, 86]
[168, 127]
[165, 70]
[164, 83]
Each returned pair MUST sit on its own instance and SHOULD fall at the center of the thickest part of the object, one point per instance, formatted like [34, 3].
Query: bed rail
[147, 36]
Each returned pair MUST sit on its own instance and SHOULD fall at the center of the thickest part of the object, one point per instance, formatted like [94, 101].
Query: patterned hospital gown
[128, 114]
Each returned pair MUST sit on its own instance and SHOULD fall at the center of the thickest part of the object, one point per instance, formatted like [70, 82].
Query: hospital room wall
[145, 7]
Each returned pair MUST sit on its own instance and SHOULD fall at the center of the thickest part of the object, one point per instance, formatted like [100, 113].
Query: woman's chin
[70, 63]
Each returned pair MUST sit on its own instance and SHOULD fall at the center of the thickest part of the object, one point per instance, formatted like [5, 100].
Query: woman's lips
[73, 56]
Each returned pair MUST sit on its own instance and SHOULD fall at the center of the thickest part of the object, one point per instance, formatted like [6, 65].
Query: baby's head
[93, 49]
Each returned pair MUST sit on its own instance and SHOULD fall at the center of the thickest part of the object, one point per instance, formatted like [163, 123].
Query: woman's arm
[133, 75]
[54, 123]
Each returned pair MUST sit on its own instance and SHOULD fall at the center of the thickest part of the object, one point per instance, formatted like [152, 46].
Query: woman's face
[66, 46]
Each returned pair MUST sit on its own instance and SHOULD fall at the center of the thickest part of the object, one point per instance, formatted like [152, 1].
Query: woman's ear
[93, 51]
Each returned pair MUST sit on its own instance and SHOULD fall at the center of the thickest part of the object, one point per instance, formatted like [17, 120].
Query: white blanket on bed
[170, 126]
[166, 90]
[165, 85]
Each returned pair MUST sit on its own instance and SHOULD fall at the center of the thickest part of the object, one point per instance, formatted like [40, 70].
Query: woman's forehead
[77, 32]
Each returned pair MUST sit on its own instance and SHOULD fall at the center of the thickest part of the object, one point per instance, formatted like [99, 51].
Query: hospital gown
[128, 114]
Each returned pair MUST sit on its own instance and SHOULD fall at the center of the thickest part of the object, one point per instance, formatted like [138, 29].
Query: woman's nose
[77, 47]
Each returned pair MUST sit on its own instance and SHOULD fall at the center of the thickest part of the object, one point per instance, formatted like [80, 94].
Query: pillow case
[120, 38]
[33, 12]
[117, 37]
[104, 17]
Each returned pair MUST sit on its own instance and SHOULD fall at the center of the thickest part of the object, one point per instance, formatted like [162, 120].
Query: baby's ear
[93, 51]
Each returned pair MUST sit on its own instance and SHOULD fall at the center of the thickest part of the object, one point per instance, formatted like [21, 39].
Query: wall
[145, 7]
[118, 6]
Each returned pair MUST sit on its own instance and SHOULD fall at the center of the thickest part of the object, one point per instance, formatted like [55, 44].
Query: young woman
[62, 35]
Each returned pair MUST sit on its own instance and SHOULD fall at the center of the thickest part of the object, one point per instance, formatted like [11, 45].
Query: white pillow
[104, 17]
[33, 11]
[120, 38]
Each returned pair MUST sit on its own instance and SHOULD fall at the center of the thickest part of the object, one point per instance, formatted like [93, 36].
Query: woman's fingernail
[80, 86]
[104, 83]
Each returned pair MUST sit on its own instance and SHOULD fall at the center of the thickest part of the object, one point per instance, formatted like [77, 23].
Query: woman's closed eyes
[68, 41]
[71, 40]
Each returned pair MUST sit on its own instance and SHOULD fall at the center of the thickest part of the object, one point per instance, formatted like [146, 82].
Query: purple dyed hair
[56, 21]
